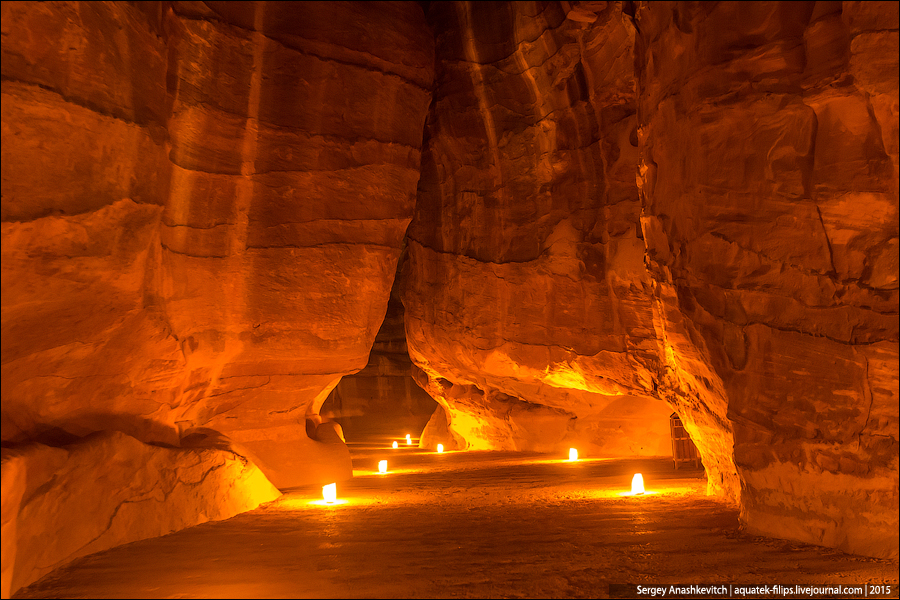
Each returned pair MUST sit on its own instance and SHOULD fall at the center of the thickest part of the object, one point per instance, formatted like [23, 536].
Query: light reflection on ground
[467, 524]
[564, 461]
[390, 471]
[336, 503]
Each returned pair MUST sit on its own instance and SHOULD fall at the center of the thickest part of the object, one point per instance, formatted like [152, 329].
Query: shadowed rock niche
[614, 211]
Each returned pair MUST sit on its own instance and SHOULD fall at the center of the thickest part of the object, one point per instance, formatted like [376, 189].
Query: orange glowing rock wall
[769, 183]
[622, 208]
[749, 279]
[203, 207]
[528, 306]
[60, 503]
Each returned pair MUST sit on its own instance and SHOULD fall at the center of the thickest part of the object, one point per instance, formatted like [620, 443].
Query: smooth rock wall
[768, 175]
[85, 179]
[296, 130]
[203, 207]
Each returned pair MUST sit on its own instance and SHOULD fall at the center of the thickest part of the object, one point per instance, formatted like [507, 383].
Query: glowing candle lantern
[637, 484]
[382, 466]
[573, 454]
[395, 444]
[329, 493]
[408, 440]
[440, 448]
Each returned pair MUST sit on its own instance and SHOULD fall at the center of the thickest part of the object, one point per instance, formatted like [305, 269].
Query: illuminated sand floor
[475, 524]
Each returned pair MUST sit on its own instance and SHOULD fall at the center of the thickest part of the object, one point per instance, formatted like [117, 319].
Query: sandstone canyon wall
[203, 207]
[527, 301]
[108, 489]
[749, 279]
[293, 184]
[769, 183]
[619, 210]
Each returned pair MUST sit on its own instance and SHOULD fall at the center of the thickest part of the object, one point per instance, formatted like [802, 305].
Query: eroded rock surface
[108, 489]
[527, 301]
[294, 182]
[769, 179]
[204, 204]
[203, 208]
[767, 312]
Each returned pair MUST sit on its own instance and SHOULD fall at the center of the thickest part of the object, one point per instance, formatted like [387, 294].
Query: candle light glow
[637, 484]
[329, 493]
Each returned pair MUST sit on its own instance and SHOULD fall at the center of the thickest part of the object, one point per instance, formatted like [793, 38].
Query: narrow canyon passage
[243, 242]
[463, 524]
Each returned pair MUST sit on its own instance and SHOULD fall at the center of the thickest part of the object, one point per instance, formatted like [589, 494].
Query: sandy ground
[468, 525]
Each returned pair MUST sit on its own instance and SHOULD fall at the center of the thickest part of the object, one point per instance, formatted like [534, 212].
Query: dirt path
[466, 525]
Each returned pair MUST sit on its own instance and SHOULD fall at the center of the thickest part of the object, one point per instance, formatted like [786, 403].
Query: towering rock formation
[295, 147]
[620, 209]
[527, 301]
[766, 314]
[769, 183]
[203, 208]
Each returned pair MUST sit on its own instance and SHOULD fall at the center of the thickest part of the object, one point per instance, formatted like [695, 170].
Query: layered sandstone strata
[203, 208]
[769, 182]
[528, 306]
[295, 146]
[766, 314]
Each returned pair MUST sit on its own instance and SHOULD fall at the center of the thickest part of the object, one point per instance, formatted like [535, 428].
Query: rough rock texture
[769, 182]
[85, 179]
[767, 312]
[294, 178]
[204, 204]
[527, 302]
[108, 489]
[383, 399]
[203, 207]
